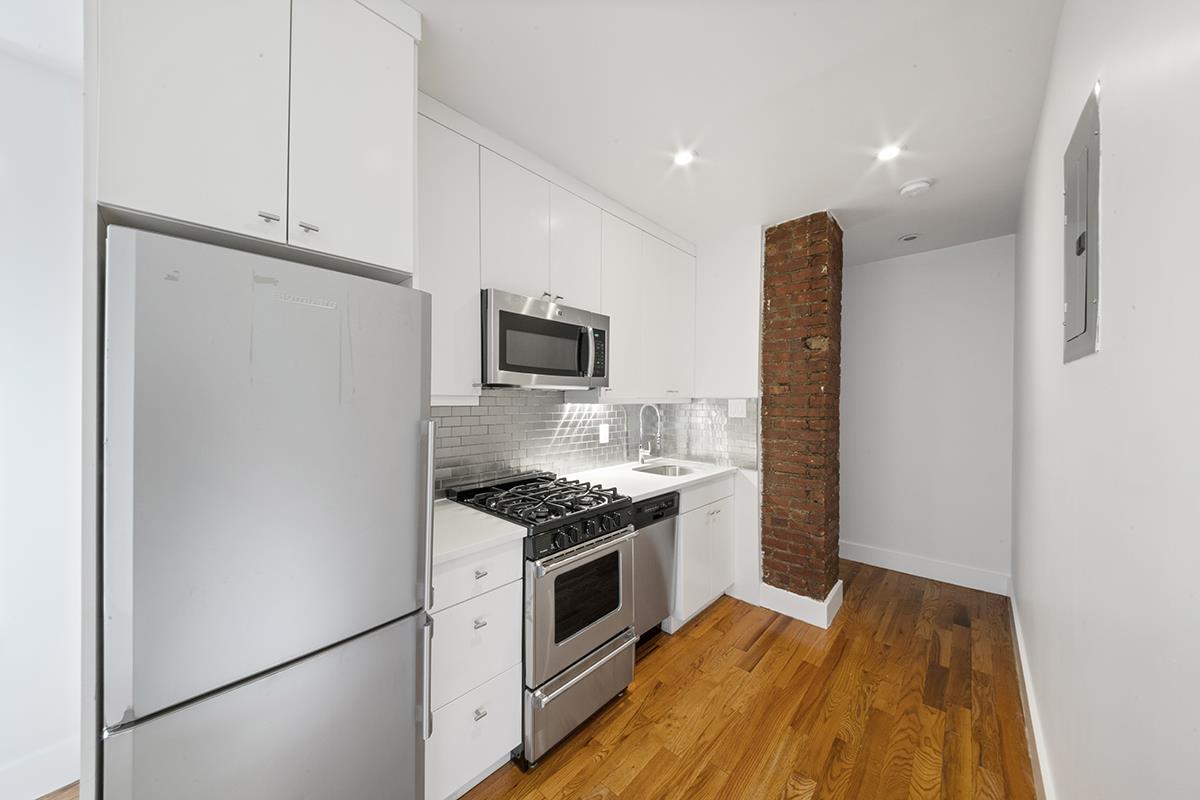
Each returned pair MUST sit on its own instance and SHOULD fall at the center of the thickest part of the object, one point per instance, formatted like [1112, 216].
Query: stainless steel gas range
[579, 635]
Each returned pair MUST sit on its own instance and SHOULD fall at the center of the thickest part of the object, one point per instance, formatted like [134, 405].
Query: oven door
[541, 344]
[575, 602]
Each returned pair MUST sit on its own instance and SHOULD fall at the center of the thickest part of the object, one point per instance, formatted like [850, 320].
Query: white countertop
[641, 485]
[460, 530]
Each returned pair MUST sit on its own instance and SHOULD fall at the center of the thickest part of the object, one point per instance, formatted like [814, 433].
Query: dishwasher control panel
[648, 512]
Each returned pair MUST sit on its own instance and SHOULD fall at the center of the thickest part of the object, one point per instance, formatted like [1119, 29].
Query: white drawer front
[473, 733]
[475, 641]
[693, 497]
[471, 576]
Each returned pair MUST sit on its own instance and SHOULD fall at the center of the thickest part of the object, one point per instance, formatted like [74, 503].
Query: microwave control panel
[599, 341]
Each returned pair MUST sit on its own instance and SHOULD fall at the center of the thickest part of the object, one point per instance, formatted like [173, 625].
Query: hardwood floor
[66, 793]
[912, 693]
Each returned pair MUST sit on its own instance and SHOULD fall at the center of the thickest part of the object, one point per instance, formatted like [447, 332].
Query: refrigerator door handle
[430, 434]
[427, 680]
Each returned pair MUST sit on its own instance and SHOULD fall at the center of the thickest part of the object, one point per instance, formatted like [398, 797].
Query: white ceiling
[786, 102]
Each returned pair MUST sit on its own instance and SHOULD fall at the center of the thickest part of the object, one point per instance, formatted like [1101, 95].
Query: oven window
[586, 594]
[540, 346]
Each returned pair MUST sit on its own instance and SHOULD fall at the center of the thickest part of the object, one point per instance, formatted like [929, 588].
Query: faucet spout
[649, 446]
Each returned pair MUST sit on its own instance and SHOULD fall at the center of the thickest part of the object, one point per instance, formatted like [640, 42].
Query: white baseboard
[42, 772]
[924, 567]
[805, 609]
[1035, 717]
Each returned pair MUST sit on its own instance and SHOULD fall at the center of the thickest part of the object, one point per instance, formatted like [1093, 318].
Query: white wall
[926, 413]
[728, 288]
[1106, 501]
[41, 205]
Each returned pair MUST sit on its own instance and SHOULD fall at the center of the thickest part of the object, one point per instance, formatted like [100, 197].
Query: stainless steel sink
[672, 470]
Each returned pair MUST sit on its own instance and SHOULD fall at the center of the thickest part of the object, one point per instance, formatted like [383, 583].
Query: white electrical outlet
[603, 433]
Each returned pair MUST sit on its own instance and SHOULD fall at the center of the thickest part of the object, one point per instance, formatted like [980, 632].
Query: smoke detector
[916, 188]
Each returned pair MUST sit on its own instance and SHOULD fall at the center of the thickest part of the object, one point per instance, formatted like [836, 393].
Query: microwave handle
[591, 336]
[587, 352]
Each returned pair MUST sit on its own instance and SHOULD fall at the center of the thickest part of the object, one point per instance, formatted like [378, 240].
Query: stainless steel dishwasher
[654, 560]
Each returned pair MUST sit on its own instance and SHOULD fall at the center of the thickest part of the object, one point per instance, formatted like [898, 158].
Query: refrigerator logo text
[301, 300]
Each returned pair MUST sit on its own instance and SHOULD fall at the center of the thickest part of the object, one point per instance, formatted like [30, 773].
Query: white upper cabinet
[669, 280]
[193, 111]
[514, 213]
[575, 250]
[448, 262]
[353, 90]
[622, 300]
[289, 120]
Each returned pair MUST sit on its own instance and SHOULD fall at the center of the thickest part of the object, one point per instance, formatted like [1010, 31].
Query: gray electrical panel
[1081, 261]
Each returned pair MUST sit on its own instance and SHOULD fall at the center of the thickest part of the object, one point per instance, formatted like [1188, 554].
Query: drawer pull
[480, 623]
[480, 574]
[480, 713]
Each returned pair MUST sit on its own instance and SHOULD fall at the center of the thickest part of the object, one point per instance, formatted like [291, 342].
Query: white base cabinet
[703, 553]
[472, 734]
[476, 668]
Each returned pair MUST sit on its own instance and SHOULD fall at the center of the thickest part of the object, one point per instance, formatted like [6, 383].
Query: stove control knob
[562, 540]
[591, 529]
[608, 523]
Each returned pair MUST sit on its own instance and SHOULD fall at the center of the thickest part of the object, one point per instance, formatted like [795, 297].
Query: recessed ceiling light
[684, 157]
[888, 153]
[916, 188]
[909, 237]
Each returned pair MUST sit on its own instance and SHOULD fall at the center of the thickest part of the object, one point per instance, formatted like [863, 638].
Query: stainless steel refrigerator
[265, 546]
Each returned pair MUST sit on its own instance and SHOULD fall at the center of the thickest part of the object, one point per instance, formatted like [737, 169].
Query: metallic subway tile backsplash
[518, 430]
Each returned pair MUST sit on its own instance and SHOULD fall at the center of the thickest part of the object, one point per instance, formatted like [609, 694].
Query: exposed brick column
[801, 381]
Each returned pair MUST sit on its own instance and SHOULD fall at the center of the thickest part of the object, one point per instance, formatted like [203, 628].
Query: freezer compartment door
[342, 723]
[264, 476]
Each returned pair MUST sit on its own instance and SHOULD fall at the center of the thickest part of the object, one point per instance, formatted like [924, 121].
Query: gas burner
[547, 505]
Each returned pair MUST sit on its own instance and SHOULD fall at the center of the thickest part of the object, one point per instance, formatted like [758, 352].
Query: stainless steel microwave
[539, 344]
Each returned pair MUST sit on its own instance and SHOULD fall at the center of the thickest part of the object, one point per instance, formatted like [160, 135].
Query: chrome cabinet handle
[672, 391]
[309, 227]
[557, 297]
[480, 574]
[480, 623]
[546, 294]
[544, 700]
[268, 216]
[480, 713]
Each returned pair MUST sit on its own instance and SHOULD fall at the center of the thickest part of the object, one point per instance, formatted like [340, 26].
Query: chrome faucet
[649, 446]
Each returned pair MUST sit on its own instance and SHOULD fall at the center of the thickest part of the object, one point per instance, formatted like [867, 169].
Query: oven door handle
[542, 699]
[546, 566]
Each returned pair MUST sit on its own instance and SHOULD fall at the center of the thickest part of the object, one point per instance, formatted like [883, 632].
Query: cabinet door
[193, 117]
[514, 219]
[353, 118]
[669, 282]
[622, 300]
[448, 264]
[693, 579]
[575, 241]
[720, 526]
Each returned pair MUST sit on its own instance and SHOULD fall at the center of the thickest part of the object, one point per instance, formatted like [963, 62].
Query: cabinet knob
[480, 623]
[309, 227]
[480, 713]
[480, 574]
[268, 216]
